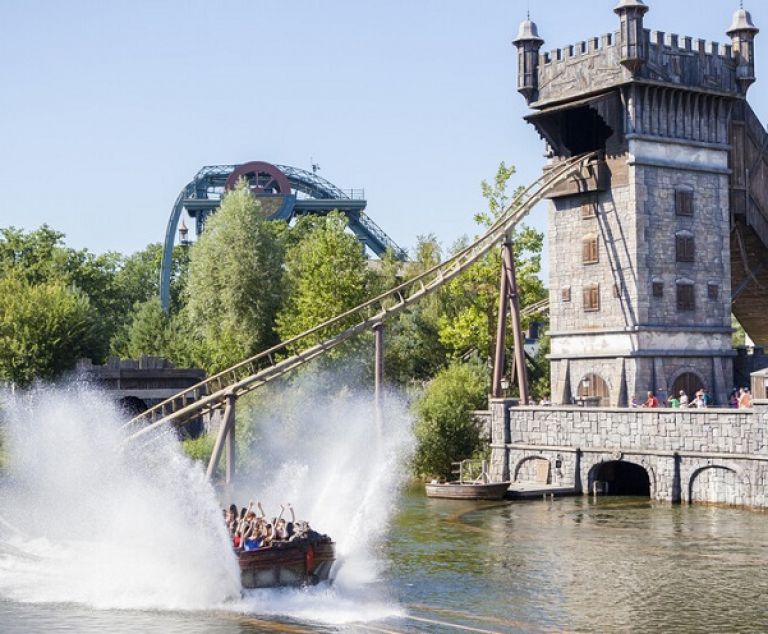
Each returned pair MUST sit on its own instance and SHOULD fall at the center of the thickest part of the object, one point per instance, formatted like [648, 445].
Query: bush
[445, 428]
[199, 448]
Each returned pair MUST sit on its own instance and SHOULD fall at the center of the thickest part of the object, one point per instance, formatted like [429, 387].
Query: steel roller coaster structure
[294, 192]
[221, 390]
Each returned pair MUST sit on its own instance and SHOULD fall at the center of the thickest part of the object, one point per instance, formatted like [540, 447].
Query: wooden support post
[227, 422]
[229, 455]
[508, 259]
[378, 375]
[501, 327]
[378, 364]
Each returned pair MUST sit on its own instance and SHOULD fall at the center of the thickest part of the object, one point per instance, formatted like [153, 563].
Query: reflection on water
[579, 564]
[572, 564]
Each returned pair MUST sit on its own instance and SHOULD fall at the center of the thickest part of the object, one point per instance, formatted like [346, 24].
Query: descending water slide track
[216, 391]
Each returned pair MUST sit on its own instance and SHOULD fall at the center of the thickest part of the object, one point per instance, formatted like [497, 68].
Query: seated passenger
[252, 539]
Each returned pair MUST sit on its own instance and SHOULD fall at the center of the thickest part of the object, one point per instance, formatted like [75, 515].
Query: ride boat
[304, 561]
[469, 486]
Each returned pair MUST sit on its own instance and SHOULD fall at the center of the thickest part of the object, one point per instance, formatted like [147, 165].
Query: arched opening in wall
[533, 469]
[688, 382]
[716, 485]
[131, 406]
[618, 477]
[593, 390]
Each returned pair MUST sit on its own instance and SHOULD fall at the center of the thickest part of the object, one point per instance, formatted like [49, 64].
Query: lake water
[573, 564]
[100, 536]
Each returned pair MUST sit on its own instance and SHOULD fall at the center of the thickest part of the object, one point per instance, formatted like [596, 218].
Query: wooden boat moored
[467, 490]
[468, 487]
[296, 563]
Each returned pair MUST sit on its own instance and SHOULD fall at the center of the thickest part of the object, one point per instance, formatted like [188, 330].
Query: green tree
[413, 350]
[326, 274]
[445, 430]
[471, 301]
[235, 285]
[40, 256]
[44, 329]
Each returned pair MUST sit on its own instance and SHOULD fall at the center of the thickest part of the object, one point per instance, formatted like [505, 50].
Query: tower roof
[742, 21]
[631, 4]
[528, 32]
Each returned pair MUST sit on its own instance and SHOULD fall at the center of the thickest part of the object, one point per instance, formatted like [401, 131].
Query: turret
[528, 44]
[742, 34]
[634, 47]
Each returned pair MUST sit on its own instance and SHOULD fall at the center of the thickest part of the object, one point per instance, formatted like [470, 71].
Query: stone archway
[688, 381]
[718, 484]
[533, 469]
[593, 387]
[618, 477]
[132, 405]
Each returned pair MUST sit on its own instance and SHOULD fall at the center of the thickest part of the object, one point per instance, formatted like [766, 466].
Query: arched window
[590, 253]
[591, 297]
[593, 386]
[684, 201]
[686, 299]
[684, 246]
[688, 382]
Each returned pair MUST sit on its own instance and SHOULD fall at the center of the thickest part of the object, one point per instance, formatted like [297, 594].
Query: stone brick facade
[640, 254]
[716, 456]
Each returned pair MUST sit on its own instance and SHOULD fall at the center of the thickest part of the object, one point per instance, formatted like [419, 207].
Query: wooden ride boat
[468, 487]
[296, 563]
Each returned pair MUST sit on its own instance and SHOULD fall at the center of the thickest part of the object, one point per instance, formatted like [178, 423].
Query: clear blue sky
[109, 108]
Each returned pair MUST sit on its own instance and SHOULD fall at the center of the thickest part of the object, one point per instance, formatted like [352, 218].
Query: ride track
[217, 391]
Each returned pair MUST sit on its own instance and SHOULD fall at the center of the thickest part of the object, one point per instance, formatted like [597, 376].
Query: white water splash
[342, 469]
[83, 521]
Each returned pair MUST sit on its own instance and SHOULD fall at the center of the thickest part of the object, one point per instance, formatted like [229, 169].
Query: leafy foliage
[44, 329]
[468, 324]
[445, 429]
[326, 274]
[235, 281]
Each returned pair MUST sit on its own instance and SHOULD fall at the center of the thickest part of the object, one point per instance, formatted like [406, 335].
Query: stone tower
[640, 246]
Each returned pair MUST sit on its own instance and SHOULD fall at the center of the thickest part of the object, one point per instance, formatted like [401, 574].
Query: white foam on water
[84, 520]
[342, 468]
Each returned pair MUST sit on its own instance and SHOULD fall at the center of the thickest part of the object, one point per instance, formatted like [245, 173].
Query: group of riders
[251, 531]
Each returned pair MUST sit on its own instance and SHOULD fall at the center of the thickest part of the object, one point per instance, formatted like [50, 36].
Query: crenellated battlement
[595, 64]
[585, 47]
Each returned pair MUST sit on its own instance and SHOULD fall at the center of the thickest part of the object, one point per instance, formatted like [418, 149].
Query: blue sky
[109, 108]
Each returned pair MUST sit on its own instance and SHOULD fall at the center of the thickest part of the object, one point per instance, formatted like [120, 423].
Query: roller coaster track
[212, 393]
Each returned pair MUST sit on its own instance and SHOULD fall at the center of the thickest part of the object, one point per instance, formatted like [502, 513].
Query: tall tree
[471, 300]
[44, 329]
[235, 286]
[326, 274]
[413, 350]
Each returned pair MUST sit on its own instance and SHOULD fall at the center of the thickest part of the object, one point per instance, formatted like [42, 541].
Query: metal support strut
[378, 367]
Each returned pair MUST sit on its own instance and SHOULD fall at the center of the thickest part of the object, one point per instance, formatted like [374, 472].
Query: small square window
[589, 250]
[713, 291]
[658, 289]
[592, 297]
[685, 297]
[565, 294]
[684, 202]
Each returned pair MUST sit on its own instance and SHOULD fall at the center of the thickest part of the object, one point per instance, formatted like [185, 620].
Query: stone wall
[714, 456]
